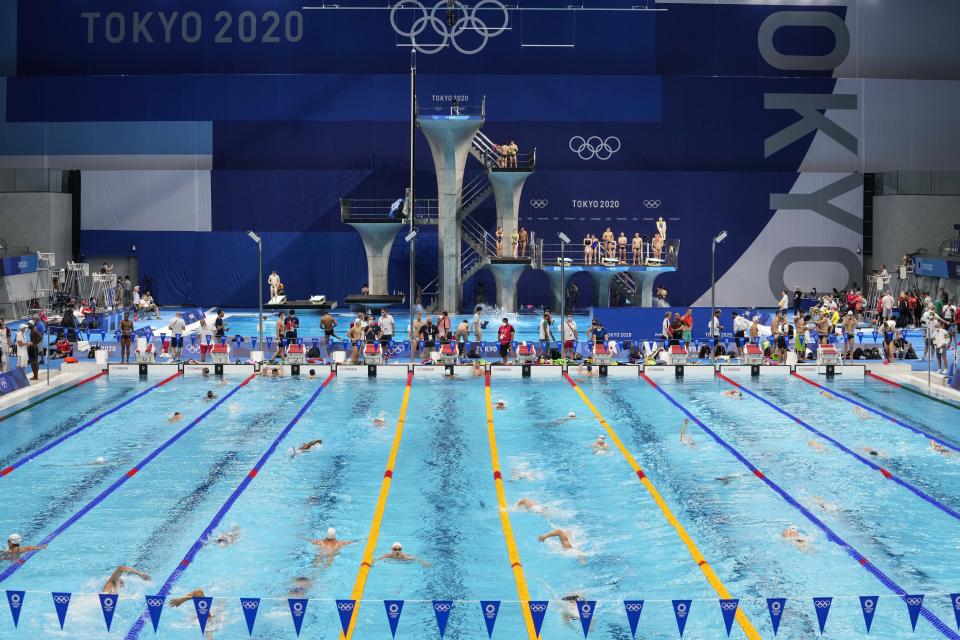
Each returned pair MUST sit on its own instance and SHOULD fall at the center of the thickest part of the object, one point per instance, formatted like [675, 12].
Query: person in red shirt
[505, 336]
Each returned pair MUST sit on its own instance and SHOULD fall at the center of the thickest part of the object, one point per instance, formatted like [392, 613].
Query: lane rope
[513, 554]
[892, 419]
[367, 559]
[909, 388]
[50, 445]
[748, 629]
[54, 394]
[931, 617]
[188, 558]
[103, 495]
[870, 463]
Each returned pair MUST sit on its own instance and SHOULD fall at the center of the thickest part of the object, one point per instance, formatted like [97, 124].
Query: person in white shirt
[740, 327]
[784, 303]
[177, 328]
[387, 325]
[887, 301]
[940, 342]
[714, 327]
[273, 280]
[665, 327]
[477, 325]
[546, 328]
[204, 338]
[569, 335]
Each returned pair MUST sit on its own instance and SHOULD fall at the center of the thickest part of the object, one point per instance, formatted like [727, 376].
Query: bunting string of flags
[489, 609]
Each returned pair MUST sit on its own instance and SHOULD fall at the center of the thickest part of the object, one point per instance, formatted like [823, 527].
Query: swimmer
[115, 582]
[734, 393]
[306, 447]
[528, 504]
[686, 438]
[15, 548]
[214, 617]
[500, 405]
[329, 547]
[176, 417]
[870, 451]
[570, 416]
[313, 374]
[561, 535]
[939, 448]
[397, 554]
[100, 460]
[477, 370]
[225, 538]
[524, 474]
[585, 370]
[827, 395]
[210, 395]
[380, 420]
[205, 372]
[600, 444]
[571, 611]
[727, 479]
[792, 534]
[862, 413]
[300, 586]
[824, 505]
[816, 446]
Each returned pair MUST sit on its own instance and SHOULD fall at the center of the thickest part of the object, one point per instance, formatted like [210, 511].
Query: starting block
[601, 354]
[678, 354]
[447, 353]
[146, 354]
[526, 354]
[372, 353]
[220, 354]
[752, 354]
[295, 354]
[828, 355]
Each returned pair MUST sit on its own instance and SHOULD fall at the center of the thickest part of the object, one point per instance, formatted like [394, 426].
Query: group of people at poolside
[610, 248]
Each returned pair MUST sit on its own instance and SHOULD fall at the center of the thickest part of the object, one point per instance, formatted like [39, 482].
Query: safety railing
[478, 187]
[359, 209]
[475, 234]
[549, 255]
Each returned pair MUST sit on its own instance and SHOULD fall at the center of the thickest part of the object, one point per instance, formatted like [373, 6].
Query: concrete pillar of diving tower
[601, 287]
[507, 186]
[557, 289]
[449, 138]
[644, 282]
[377, 242]
[507, 274]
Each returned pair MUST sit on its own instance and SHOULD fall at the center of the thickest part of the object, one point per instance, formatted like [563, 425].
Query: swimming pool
[427, 461]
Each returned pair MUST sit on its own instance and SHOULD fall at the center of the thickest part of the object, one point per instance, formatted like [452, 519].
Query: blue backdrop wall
[756, 119]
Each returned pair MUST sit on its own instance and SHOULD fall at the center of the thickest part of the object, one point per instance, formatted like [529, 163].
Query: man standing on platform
[523, 242]
[274, 281]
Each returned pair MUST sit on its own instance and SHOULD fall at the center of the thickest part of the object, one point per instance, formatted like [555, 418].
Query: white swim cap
[100, 460]
[331, 533]
[396, 546]
[503, 402]
[14, 538]
[571, 415]
[601, 437]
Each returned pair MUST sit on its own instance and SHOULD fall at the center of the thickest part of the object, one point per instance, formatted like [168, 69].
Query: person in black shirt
[797, 301]
[220, 329]
[429, 333]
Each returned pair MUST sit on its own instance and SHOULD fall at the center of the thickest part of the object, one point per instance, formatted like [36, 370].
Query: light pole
[564, 240]
[411, 214]
[713, 291]
[413, 279]
[259, 242]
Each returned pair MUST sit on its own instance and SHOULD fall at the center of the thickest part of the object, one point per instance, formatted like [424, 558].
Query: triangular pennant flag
[868, 604]
[108, 604]
[15, 600]
[193, 339]
[316, 342]
[681, 610]
[490, 609]
[253, 343]
[634, 609]
[859, 338]
[300, 342]
[822, 607]
[538, 609]
[298, 607]
[269, 341]
[223, 340]
[442, 610]
[914, 604]
[155, 608]
[345, 609]
[394, 608]
[202, 607]
[775, 607]
[955, 599]
[729, 610]
[586, 608]
[250, 606]
[209, 338]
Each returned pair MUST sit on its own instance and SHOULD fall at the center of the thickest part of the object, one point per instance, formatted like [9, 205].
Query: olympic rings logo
[821, 604]
[467, 21]
[538, 608]
[539, 203]
[634, 607]
[250, 604]
[652, 204]
[729, 606]
[441, 606]
[154, 602]
[594, 147]
[61, 599]
[345, 606]
[914, 601]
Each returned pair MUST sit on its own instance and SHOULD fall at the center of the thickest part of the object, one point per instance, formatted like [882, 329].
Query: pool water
[442, 504]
